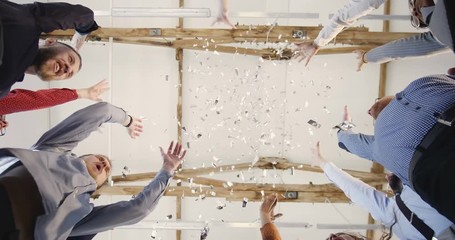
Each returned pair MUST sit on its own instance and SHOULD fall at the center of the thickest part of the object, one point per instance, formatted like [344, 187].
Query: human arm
[270, 232]
[19, 100]
[360, 193]
[122, 213]
[223, 14]
[423, 44]
[345, 17]
[356, 143]
[67, 134]
[55, 16]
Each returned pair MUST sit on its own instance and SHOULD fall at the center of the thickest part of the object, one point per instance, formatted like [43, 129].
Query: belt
[444, 122]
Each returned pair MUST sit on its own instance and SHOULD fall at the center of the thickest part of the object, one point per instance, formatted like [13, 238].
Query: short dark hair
[74, 50]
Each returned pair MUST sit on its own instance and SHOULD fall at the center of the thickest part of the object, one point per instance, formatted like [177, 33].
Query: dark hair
[74, 50]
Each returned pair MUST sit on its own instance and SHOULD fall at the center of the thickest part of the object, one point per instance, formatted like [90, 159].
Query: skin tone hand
[305, 51]
[173, 158]
[346, 115]
[267, 208]
[135, 128]
[3, 123]
[223, 16]
[360, 56]
[93, 92]
[318, 159]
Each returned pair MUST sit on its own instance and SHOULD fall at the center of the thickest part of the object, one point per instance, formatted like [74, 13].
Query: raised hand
[173, 158]
[94, 92]
[223, 16]
[267, 209]
[305, 51]
[318, 159]
[360, 56]
[346, 115]
[134, 126]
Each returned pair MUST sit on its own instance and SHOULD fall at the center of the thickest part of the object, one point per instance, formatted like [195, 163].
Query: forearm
[20, 100]
[345, 17]
[67, 134]
[123, 213]
[55, 16]
[414, 46]
[356, 143]
[359, 192]
[270, 232]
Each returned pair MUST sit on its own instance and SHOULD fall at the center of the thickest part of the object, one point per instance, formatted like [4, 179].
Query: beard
[43, 70]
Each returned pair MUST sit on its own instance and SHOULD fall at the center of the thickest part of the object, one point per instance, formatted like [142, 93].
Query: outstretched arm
[67, 134]
[266, 212]
[345, 17]
[355, 143]
[360, 193]
[106, 217]
[419, 45]
[20, 100]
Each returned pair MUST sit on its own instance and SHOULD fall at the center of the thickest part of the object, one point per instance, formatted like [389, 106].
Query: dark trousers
[7, 226]
[8, 229]
[433, 176]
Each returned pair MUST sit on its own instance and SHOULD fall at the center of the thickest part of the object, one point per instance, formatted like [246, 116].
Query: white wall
[262, 110]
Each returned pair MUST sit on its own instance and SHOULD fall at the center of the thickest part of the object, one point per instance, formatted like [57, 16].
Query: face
[98, 167]
[342, 236]
[379, 105]
[56, 62]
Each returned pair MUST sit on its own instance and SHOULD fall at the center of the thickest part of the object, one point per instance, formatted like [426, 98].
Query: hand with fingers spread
[267, 210]
[360, 56]
[134, 126]
[318, 159]
[223, 15]
[93, 92]
[173, 158]
[304, 51]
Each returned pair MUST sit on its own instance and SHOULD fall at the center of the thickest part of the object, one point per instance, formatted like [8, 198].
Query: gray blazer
[65, 184]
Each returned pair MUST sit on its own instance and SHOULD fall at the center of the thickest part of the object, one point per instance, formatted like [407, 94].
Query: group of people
[45, 190]
[413, 133]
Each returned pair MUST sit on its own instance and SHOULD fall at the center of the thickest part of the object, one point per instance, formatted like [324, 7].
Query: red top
[20, 100]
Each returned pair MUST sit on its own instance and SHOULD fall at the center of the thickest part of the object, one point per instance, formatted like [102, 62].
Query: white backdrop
[235, 108]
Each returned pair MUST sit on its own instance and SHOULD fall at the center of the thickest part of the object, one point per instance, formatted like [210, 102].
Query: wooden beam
[351, 36]
[204, 192]
[263, 163]
[179, 58]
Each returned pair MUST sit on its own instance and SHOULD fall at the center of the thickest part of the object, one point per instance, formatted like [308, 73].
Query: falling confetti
[169, 217]
[314, 123]
[245, 201]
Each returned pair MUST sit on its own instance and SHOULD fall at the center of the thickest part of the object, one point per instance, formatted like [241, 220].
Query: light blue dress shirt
[385, 209]
[401, 126]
